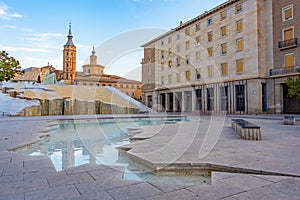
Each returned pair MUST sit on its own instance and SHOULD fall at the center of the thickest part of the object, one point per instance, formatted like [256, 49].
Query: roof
[184, 25]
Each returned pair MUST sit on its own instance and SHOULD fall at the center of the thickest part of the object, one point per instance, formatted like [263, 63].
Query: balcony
[288, 44]
[284, 70]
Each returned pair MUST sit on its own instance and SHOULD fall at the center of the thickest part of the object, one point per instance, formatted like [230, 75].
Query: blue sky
[34, 31]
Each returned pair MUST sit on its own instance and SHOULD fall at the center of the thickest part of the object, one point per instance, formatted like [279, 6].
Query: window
[289, 60]
[162, 43]
[187, 31]
[178, 60]
[170, 51]
[178, 47]
[178, 36]
[198, 75]
[187, 57]
[178, 77]
[223, 31]
[162, 67]
[198, 55]
[89, 71]
[224, 69]
[197, 27]
[127, 86]
[198, 41]
[210, 52]
[209, 21]
[239, 26]
[210, 71]
[169, 39]
[170, 78]
[238, 8]
[170, 64]
[187, 45]
[188, 75]
[162, 80]
[162, 54]
[121, 86]
[224, 49]
[223, 15]
[210, 36]
[239, 44]
[288, 34]
[287, 13]
[239, 66]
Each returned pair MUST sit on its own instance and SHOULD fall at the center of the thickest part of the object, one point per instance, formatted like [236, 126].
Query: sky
[35, 31]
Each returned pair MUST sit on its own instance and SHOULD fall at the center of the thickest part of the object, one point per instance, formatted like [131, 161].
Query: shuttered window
[223, 49]
[223, 31]
[239, 26]
[224, 69]
[210, 71]
[239, 66]
[288, 34]
[289, 60]
[240, 45]
[188, 75]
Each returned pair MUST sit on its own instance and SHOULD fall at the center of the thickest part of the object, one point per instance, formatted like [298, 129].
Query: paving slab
[63, 192]
[137, 191]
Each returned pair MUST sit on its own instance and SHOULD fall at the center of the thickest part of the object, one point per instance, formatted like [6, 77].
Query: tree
[294, 86]
[9, 67]
[39, 79]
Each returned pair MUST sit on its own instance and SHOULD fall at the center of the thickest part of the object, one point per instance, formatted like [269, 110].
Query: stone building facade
[217, 62]
[286, 34]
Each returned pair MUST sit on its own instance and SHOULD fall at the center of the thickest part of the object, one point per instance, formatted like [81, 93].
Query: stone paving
[26, 177]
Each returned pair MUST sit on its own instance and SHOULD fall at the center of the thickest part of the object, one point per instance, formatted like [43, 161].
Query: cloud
[43, 36]
[24, 49]
[5, 14]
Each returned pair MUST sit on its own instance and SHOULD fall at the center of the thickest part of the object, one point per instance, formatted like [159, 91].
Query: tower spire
[93, 52]
[70, 36]
[70, 29]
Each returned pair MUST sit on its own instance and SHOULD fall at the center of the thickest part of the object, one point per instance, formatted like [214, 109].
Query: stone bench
[246, 130]
[289, 120]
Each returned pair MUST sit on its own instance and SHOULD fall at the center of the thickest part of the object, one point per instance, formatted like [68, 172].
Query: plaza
[34, 177]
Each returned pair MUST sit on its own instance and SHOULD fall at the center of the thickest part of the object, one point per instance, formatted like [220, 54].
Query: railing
[284, 70]
[288, 43]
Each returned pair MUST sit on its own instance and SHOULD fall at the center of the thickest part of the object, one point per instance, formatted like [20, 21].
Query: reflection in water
[76, 143]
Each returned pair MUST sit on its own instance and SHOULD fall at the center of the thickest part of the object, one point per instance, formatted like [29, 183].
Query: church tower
[69, 59]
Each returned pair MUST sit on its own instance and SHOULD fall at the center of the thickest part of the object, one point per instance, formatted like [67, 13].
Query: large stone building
[216, 62]
[286, 31]
[93, 75]
[69, 59]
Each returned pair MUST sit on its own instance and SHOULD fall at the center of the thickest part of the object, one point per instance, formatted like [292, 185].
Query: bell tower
[69, 59]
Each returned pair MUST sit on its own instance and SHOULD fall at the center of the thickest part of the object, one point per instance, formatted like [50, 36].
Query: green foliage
[39, 79]
[294, 86]
[9, 67]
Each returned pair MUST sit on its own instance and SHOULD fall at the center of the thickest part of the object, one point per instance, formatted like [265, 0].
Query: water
[76, 143]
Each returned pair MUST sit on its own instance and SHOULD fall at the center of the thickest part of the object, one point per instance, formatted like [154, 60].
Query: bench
[289, 120]
[246, 130]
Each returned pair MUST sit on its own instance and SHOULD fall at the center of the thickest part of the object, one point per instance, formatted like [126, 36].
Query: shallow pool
[76, 143]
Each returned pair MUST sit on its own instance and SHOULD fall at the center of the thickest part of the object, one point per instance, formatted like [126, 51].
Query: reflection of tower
[68, 160]
[69, 59]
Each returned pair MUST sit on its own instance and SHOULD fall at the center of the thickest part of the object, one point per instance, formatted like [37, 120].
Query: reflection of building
[286, 34]
[47, 69]
[216, 62]
[69, 59]
[93, 75]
